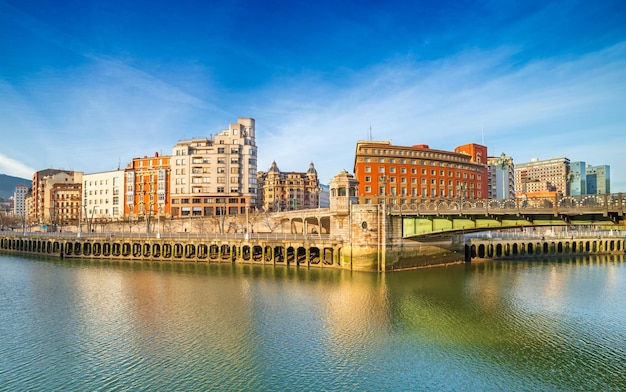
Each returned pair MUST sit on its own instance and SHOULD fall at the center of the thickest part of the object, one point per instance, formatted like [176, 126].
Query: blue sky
[88, 85]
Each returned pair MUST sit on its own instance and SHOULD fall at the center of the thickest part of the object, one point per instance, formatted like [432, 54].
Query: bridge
[367, 237]
[450, 217]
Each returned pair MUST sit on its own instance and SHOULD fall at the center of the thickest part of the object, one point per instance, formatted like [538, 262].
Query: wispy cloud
[527, 111]
[15, 168]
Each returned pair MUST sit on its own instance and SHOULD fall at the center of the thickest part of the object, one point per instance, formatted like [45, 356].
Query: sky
[89, 85]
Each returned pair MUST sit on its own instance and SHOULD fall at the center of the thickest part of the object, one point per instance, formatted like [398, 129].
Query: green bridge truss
[452, 216]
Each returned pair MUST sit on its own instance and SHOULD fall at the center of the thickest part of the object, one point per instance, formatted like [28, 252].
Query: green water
[548, 325]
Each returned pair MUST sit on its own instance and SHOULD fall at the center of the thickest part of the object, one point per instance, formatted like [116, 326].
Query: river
[541, 325]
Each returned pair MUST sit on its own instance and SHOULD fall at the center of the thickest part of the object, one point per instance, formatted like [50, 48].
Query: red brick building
[147, 187]
[389, 174]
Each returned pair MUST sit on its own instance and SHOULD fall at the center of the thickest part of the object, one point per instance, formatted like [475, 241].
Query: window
[368, 169]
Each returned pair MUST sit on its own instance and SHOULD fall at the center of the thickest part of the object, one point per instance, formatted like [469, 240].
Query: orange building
[389, 174]
[147, 182]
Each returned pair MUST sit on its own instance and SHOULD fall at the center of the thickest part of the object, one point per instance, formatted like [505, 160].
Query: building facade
[389, 174]
[542, 177]
[215, 176]
[65, 202]
[286, 191]
[146, 187]
[501, 177]
[598, 179]
[577, 178]
[43, 183]
[103, 196]
[19, 200]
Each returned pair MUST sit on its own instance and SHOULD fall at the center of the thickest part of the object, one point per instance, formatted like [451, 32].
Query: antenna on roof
[370, 135]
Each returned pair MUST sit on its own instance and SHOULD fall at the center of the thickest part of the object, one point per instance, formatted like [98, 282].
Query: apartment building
[286, 191]
[542, 177]
[65, 201]
[43, 183]
[215, 175]
[103, 195]
[501, 177]
[389, 174]
[146, 187]
[19, 200]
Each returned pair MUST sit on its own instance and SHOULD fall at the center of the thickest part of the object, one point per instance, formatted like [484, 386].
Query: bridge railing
[536, 205]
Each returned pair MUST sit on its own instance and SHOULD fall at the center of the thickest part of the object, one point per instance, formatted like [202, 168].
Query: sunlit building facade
[215, 175]
[43, 211]
[103, 195]
[542, 177]
[286, 191]
[146, 187]
[389, 174]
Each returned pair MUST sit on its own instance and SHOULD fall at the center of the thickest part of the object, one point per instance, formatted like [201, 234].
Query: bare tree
[268, 221]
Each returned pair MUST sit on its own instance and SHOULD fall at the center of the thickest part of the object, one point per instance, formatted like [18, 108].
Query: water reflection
[87, 324]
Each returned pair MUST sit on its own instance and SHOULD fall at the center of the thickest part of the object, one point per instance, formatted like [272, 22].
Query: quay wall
[315, 252]
[498, 248]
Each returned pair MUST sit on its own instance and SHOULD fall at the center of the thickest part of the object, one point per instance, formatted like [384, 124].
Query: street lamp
[90, 221]
[247, 224]
[460, 190]
[158, 235]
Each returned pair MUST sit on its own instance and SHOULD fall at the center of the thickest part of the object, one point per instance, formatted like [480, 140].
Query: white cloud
[12, 167]
[527, 111]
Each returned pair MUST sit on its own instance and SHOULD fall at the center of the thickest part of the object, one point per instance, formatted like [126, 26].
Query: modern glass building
[577, 178]
[598, 179]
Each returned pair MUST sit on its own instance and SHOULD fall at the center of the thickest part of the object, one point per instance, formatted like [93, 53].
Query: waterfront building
[542, 177]
[598, 179]
[577, 178]
[501, 181]
[43, 183]
[19, 200]
[146, 188]
[215, 176]
[65, 201]
[286, 191]
[389, 174]
[103, 196]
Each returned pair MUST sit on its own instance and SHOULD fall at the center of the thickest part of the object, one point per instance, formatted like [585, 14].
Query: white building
[19, 198]
[103, 195]
[215, 176]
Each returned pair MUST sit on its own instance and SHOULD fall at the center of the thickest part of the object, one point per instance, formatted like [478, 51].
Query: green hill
[8, 184]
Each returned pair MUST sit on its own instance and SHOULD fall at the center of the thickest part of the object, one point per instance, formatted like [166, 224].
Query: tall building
[146, 185]
[43, 183]
[598, 180]
[389, 174]
[103, 195]
[286, 191]
[215, 176]
[501, 177]
[19, 200]
[577, 178]
[542, 177]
